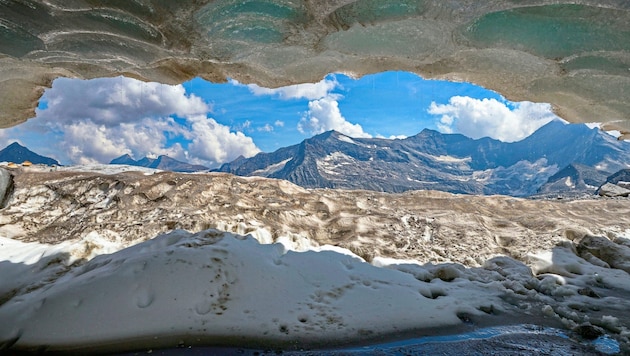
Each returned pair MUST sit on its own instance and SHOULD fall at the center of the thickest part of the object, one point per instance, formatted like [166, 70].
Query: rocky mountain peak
[17, 153]
[449, 162]
[162, 162]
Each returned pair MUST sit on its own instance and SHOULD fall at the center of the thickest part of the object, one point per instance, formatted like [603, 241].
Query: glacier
[97, 259]
[107, 259]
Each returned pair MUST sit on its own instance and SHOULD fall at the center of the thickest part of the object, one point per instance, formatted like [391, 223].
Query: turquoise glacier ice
[574, 54]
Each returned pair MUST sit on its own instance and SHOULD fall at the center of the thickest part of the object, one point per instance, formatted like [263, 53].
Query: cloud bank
[477, 118]
[100, 119]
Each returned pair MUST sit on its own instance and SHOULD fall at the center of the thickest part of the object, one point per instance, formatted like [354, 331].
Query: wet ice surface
[522, 340]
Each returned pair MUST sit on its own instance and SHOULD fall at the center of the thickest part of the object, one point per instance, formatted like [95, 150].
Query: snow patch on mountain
[272, 168]
[347, 139]
[333, 163]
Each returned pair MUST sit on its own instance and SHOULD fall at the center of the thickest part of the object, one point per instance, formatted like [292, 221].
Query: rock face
[574, 178]
[572, 54]
[621, 178]
[558, 158]
[17, 153]
[164, 163]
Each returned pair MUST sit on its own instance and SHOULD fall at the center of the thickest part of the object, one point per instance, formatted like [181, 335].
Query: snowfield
[101, 287]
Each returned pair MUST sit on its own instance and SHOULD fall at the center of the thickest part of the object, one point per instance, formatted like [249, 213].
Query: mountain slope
[163, 162]
[574, 178]
[447, 162]
[621, 178]
[17, 153]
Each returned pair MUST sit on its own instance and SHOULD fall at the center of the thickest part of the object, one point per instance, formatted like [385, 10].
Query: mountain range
[17, 153]
[163, 162]
[558, 157]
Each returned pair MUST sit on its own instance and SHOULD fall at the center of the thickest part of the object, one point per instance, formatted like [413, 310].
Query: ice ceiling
[574, 54]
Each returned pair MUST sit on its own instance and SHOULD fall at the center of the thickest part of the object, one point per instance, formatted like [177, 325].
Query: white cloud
[323, 109]
[309, 91]
[324, 115]
[392, 137]
[266, 128]
[477, 118]
[245, 126]
[87, 142]
[110, 101]
[98, 120]
[215, 143]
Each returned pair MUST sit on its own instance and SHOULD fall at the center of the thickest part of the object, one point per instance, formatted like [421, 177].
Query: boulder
[612, 190]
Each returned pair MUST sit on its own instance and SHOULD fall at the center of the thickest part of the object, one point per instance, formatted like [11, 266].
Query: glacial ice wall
[574, 54]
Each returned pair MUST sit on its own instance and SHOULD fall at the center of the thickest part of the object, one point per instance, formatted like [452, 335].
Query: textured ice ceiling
[574, 54]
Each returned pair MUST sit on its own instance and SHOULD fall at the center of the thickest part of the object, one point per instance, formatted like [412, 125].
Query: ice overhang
[575, 55]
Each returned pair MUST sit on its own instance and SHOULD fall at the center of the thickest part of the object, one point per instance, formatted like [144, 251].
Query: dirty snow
[200, 288]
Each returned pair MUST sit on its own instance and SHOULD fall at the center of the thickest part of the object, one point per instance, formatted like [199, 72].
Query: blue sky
[91, 121]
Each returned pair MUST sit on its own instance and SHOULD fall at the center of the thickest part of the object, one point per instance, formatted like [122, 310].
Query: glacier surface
[265, 263]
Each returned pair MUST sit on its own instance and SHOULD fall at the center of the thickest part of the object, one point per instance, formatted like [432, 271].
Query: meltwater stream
[524, 339]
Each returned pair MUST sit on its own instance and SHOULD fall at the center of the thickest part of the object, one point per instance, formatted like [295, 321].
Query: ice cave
[259, 262]
[574, 54]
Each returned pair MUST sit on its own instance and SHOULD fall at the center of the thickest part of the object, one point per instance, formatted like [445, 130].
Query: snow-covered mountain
[446, 162]
[163, 162]
[17, 153]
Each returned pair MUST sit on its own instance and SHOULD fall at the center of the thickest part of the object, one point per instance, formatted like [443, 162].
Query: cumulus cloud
[308, 91]
[88, 142]
[213, 142]
[323, 109]
[324, 115]
[392, 137]
[98, 120]
[478, 118]
[110, 101]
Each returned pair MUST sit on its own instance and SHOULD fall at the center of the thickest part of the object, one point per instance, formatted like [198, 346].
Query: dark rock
[587, 291]
[588, 331]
